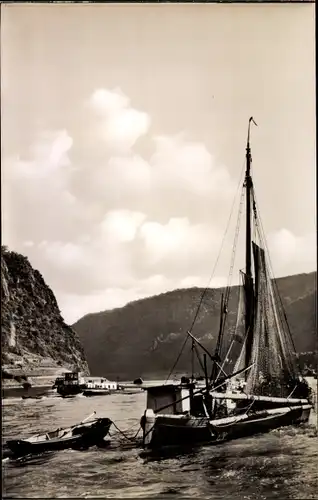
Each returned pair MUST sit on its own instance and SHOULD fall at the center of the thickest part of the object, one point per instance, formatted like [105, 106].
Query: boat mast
[248, 183]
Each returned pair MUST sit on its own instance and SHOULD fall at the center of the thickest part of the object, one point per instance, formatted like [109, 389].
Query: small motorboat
[96, 392]
[79, 437]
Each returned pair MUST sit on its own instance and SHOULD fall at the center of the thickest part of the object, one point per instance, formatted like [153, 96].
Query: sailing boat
[265, 389]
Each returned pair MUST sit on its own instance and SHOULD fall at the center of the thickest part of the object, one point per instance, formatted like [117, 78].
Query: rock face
[34, 337]
[144, 338]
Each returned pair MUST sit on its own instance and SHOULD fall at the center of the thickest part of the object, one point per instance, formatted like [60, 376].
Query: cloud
[97, 260]
[64, 256]
[37, 201]
[130, 174]
[48, 154]
[189, 166]
[75, 306]
[106, 224]
[292, 254]
[203, 282]
[113, 170]
[118, 124]
[121, 225]
[178, 242]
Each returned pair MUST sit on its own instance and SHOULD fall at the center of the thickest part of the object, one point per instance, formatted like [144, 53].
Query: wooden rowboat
[80, 436]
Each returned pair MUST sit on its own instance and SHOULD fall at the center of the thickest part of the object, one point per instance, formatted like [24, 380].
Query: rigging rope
[220, 251]
[212, 274]
[263, 239]
[177, 360]
[274, 366]
[228, 289]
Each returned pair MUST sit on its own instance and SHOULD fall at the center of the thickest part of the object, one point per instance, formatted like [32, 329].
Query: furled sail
[274, 371]
[239, 333]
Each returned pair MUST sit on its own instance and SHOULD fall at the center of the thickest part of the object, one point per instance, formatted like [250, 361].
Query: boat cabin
[168, 399]
[73, 378]
[58, 382]
[100, 383]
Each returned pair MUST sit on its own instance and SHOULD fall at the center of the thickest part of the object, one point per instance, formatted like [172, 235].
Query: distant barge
[74, 383]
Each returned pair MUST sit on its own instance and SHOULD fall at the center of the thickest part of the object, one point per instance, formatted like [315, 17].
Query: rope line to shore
[123, 433]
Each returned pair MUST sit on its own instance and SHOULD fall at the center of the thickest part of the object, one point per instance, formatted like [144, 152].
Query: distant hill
[144, 337]
[35, 340]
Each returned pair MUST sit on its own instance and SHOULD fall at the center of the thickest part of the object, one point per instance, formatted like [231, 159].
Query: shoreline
[18, 391]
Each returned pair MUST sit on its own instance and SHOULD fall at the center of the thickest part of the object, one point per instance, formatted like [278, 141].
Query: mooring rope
[123, 433]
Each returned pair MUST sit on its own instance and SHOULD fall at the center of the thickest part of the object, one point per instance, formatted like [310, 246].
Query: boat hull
[67, 391]
[96, 392]
[173, 430]
[163, 430]
[82, 437]
[261, 422]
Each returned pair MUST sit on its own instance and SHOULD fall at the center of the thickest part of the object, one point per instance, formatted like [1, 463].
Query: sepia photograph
[159, 250]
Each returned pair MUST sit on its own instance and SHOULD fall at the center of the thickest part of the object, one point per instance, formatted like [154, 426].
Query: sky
[123, 142]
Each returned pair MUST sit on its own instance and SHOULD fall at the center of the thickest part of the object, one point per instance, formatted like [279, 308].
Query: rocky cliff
[144, 338]
[35, 340]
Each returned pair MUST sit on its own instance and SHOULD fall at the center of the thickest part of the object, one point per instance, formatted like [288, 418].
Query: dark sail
[249, 316]
[274, 370]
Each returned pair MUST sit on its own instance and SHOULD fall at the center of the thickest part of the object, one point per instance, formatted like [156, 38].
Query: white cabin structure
[173, 399]
[100, 383]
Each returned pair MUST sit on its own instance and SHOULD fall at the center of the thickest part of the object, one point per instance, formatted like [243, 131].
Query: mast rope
[275, 366]
[177, 360]
[212, 274]
[230, 276]
[220, 251]
[237, 230]
[281, 311]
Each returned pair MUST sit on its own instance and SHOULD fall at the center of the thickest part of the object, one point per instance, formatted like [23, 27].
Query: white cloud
[119, 125]
[116, 225]
[179, 241]
[176, 163]
[292, 254]
[130, 174]
[63, 256]
[189, 166]
[37, 201]
[48, 153]
[105, 102]
[51, 149]
[75, 306]
[97, 260]
[121, 225]
[203, 282]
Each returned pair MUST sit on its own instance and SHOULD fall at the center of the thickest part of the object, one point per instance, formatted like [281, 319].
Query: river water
[282, 464]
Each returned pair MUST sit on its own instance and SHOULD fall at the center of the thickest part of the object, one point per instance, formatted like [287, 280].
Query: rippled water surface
[282, 464]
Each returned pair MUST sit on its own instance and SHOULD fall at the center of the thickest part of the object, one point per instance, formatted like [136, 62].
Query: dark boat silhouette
[79, 437]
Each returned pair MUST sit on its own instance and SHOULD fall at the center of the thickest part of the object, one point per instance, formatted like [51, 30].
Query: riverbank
[21, 392]
[29, 376]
